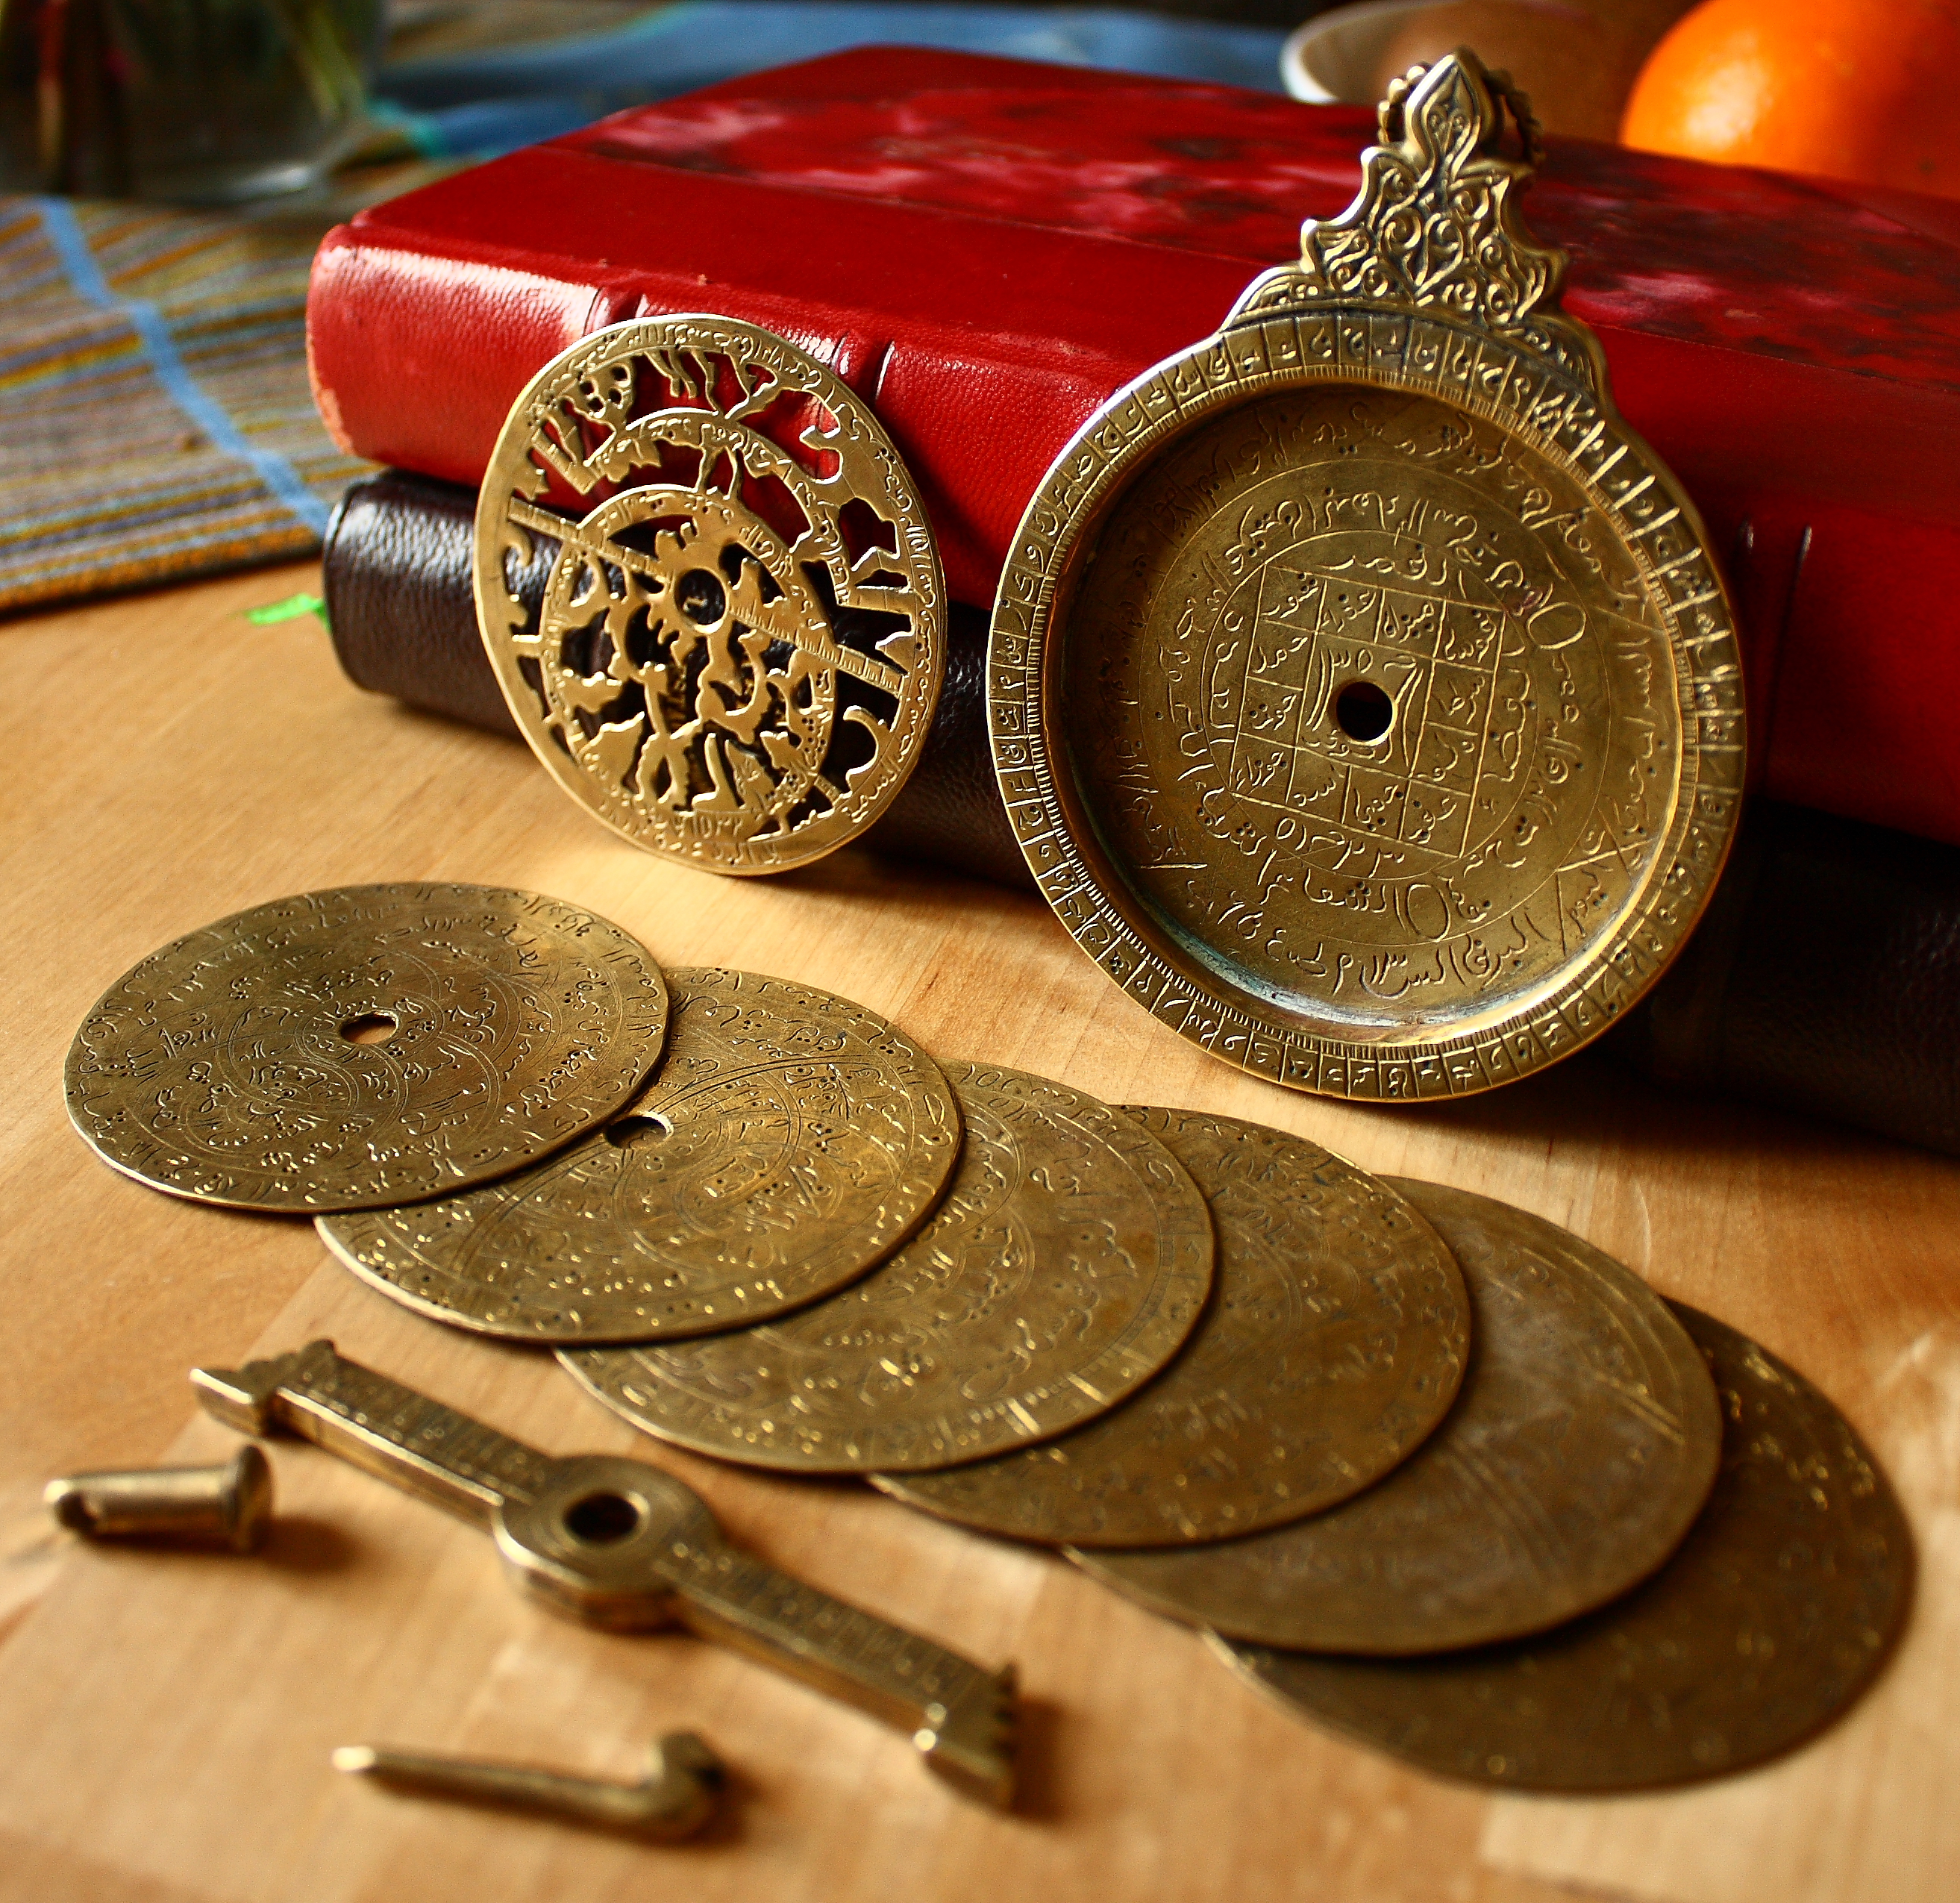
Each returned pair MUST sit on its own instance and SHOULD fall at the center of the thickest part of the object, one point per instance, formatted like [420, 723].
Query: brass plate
[1334, 1342]
[1583, 1444]
[742, 629]
[1363, 692]
[1778, 1611]
[790, 1140]
[234, 1066]
[1069, 1260]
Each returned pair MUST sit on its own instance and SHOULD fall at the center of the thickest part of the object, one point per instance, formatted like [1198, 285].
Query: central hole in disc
[1363, 711]
[371, 1027]
[633, 1132]
[602, 1519]
[701, 596]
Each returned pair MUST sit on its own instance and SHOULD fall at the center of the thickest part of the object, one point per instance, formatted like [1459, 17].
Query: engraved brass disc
[369, 1045]
[1363, 690]
[1069, 1260]
[1334, 1342]
[790, 1140]
[741, 631]
[1584, 1442]
[1778, 1610]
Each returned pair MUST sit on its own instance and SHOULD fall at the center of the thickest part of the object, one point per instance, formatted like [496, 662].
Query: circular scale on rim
[1069, 1260]
[710, 595]
[790, 1140]
[1364, 692]
[1779, 1609]
[1582, 1446]
[370, 1045]
[1334, 1342]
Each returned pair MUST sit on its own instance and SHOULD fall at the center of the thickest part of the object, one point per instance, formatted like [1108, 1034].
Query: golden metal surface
[227, 1505]
[790, 1140]
[1334, 1342]
[624, 1545]
[1776, 1612]
[741, 634]
[1363, 692]
[1583, 1444]
[369, 1045]
[1070, 1259]
[677, 1796]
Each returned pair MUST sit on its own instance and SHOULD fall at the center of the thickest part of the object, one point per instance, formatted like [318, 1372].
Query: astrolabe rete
[1363, 690]
[1582, 1444]
[1334, 1342]
[790, 1140]
[1778, 1610]
[710, 595]
[1070, 1258]
[367, 1046]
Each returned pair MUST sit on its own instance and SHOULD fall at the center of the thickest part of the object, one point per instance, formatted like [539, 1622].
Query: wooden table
[165, 1720]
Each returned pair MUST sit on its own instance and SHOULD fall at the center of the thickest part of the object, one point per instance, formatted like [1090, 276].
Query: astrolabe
[1334, 1342]
[1583, 1443]
[1069, 1260]
[1776, 1612]
[1362, 690]
[710, 593]
[369, 1045]
[789, 1140]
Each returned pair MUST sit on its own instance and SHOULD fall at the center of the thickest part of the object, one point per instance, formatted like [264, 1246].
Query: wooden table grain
[165, 1720]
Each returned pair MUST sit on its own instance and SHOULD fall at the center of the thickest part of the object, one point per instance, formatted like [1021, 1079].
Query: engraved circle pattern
[1584, 1442]
[789, 1141]
[1778, 1610]
[370, 1045]
[1334, 1342]
[1069, 1260]
[1393, 484]
[738, 639]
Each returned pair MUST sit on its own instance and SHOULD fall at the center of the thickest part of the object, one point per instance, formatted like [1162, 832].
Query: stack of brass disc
[1424, 1466]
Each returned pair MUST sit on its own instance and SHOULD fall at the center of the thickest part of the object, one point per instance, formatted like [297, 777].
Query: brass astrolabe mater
[1070, 1257]
[789, 1140]
[709, 591]
[367, 1046]
[1362, 690]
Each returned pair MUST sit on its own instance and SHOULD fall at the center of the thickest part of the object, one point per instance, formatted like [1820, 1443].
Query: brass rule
[367, 1046]
[1362, 690]
[1779, 1609]
[789, 1140]
[710, 593]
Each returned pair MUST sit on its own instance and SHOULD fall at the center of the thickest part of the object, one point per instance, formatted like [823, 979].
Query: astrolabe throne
[712, 597]
[1362, 690]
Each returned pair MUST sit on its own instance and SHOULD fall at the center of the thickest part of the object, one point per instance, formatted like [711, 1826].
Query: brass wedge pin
[674, 1799]
[619, 1544]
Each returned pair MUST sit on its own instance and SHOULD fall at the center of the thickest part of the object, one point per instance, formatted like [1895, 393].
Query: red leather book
[986, 249]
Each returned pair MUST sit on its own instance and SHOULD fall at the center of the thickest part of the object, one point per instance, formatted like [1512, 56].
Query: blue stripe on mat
[58, 220]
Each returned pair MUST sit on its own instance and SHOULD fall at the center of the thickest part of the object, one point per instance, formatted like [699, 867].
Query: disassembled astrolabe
[790, 1140]
[1778, 1610]
[367, 1046]
[1363, 689]
[1334, 1342]
[710, 593]
[1583, 1446]
[1069, 1260]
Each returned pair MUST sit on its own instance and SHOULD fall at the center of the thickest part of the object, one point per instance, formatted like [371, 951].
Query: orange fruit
[1852, 89]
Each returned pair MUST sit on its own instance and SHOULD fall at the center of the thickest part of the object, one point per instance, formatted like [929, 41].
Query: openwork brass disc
[369, 1045]
[789, 1140]
[1334, 1342]
[1776, 1612]
[742, 629]
[1362, 688]
[1069, 1260]
[1583, 1445]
